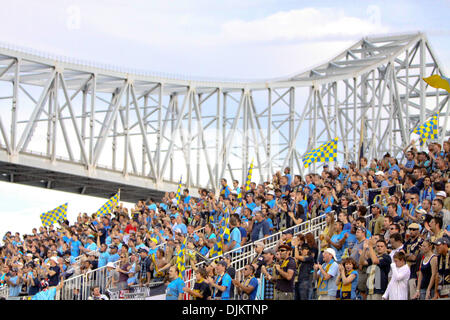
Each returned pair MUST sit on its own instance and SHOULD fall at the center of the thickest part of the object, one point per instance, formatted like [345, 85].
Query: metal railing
[79, 286]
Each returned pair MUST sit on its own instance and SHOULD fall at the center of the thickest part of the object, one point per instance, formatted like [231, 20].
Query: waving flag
[109, 206]
[248, 180]
[428, 130]
[325, 153]
[178, 196]
[58, 214]
[181, 260]
[438, 82]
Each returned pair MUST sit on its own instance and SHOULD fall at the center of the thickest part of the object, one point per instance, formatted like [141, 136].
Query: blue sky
[220, 39]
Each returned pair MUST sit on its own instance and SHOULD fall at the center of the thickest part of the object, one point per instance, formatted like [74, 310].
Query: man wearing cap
[144, 274]
[90, 246]
[412, 248]
[376, 224]
[47, 292]
[305, 269]
[379, 175]
[258, 260]
[326, 275]
[259, 227]
[268, 271]
[442, 280]
[15, 281]
[284, 274]
[112, 276]
[53, 272]
[113, 255]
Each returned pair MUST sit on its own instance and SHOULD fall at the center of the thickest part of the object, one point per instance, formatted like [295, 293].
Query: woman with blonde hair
[328, 231]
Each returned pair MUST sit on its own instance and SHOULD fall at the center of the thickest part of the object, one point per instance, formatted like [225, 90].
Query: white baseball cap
[332, 252]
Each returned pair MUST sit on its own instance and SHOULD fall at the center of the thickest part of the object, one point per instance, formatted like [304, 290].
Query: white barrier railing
[79, 286]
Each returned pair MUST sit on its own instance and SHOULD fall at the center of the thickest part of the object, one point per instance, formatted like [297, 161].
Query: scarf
[246, 296]
[324, 284]
[344, 291]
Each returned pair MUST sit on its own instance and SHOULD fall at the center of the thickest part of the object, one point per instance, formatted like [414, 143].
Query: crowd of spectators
[400, 252]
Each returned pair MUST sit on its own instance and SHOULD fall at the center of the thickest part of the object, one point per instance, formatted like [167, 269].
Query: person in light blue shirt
[222, 284]
[327, 200]
[225, 190]
[113, 255]
[90, 245]
[152, 206]
[74, 244]
[326, 275]
[47, 293]
[271, 203]
[338, 240]
[180, 225]
[14, 281]
[174, 290]
[287, 173]
[103, 258]
[235, 236]
[393, 165]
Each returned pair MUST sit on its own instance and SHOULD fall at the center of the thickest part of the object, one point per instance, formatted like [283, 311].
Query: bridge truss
[86, 128]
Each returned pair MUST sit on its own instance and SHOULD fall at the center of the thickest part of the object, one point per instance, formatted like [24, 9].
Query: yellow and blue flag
[58, 214]
[109, 206]
[181, 260]
[428, 130]
[438, 82]
[249, 177]
[178, 195]
[325, 153]
[248, 181]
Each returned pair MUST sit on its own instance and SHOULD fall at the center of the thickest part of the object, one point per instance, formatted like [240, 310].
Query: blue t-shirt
[254, 283]
[339, 252]
[174, 289]
[226, 281]
[235, 235]
[328, 209]
[14, 291]
[351, 240]
[103, 259]
[271, 203]
[304, 204]
[260, 229]
[131, 280]
[251, 206]
[113, 257]
[45, 295]
[91, 247]
[329, 285]
[74, 246]
[409, 164]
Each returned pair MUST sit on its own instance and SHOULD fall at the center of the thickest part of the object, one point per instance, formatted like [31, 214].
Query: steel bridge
[90, 128]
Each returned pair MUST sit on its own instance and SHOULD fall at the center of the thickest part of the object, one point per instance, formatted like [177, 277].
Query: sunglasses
[412, 229]
[282, 250]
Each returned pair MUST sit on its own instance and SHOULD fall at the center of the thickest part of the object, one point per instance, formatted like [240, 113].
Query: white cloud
[303, 24]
